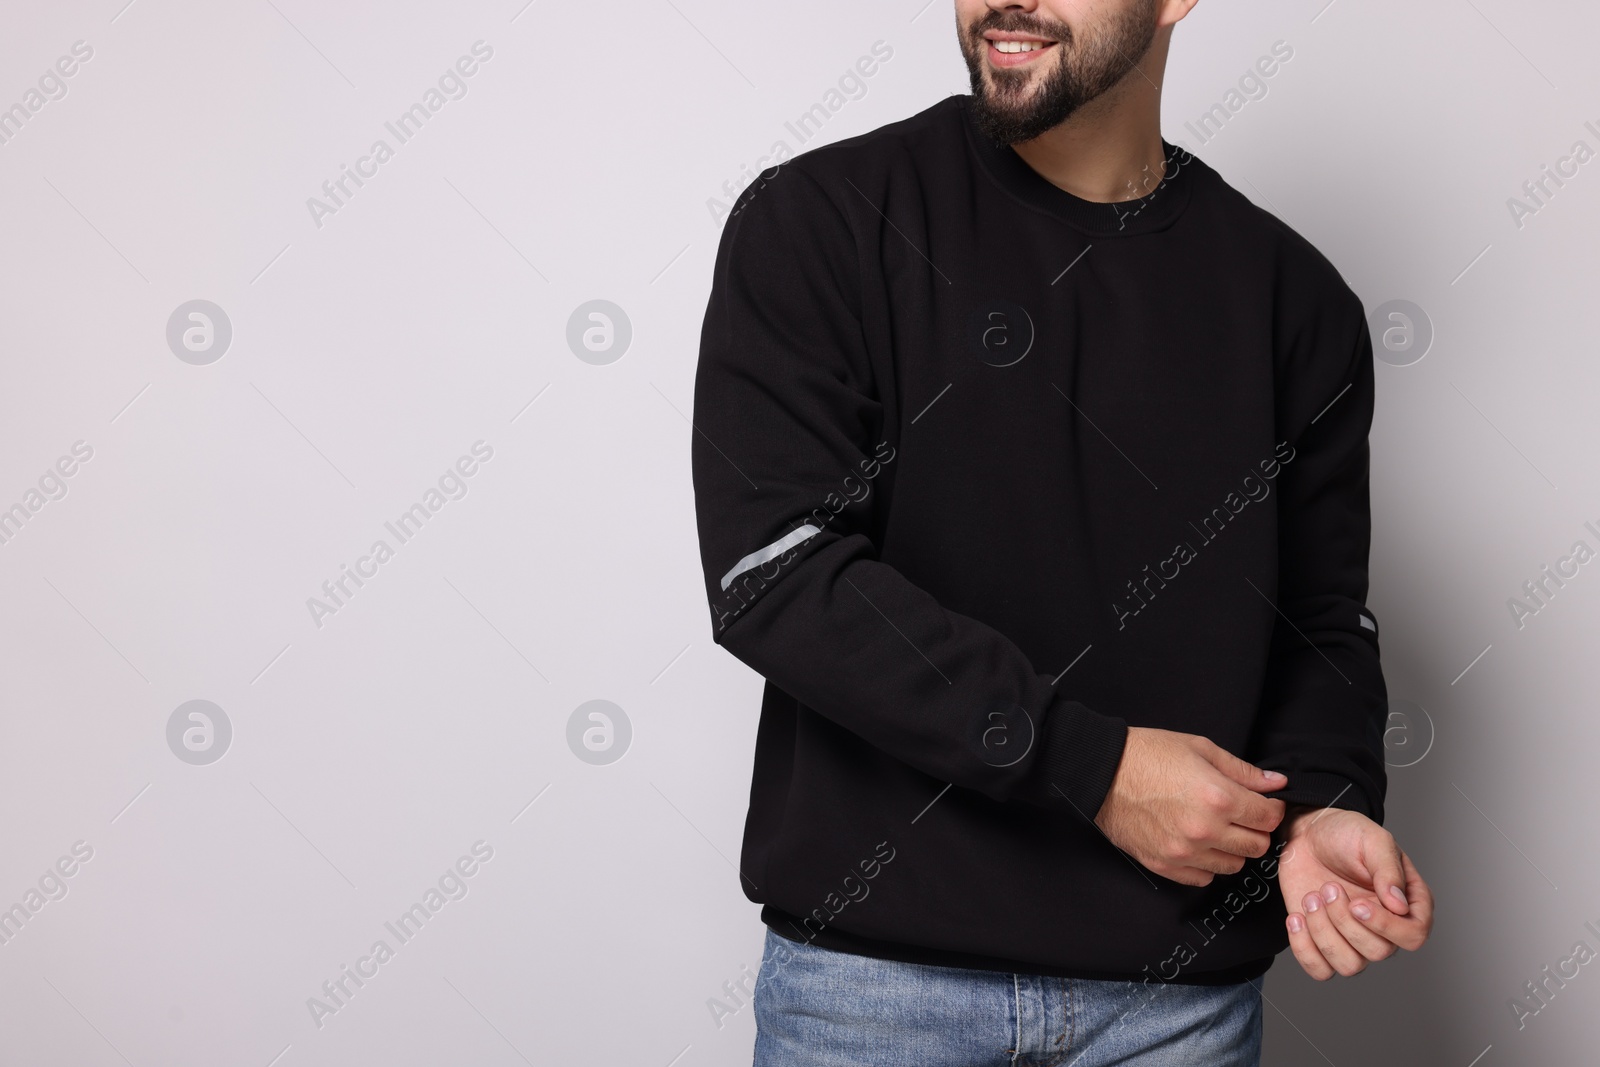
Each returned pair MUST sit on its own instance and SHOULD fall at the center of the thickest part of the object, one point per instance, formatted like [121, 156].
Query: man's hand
[1187, 809]
[1360, 895]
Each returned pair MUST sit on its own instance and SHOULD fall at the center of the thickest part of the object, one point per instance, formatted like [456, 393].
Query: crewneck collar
[1155, 210]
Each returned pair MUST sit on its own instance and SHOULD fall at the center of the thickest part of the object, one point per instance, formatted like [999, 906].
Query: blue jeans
[815, 1007]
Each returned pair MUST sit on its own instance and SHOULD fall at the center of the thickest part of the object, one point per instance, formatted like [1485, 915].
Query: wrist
[1295, 819]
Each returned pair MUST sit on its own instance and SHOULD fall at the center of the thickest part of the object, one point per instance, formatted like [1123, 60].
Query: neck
[1110, 149]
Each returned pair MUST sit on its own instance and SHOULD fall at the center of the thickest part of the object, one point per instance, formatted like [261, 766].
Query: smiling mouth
[1020, 46]
[1016, 53]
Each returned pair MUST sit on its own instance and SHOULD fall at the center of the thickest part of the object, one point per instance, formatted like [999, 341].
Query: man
[1031, 471]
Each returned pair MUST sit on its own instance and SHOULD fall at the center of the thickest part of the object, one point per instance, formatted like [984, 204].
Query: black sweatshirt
[986, 473]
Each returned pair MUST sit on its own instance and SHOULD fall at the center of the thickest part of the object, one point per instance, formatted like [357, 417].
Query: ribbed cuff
[1322, 790]
[1078, 757]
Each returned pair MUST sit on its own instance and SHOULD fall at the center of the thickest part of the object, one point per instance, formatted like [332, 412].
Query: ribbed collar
[1154, 211]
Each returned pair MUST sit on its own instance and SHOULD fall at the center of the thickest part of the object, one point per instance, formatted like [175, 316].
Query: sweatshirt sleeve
[789, 463]
[1324, 704]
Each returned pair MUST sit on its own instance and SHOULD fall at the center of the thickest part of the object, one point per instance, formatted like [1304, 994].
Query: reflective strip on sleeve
[777, 548]
[1368, 623]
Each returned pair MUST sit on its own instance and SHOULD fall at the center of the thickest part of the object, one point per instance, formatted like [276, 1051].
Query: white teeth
[1018, 46]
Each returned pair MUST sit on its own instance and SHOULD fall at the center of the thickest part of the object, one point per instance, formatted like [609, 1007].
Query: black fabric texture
[1052, 468]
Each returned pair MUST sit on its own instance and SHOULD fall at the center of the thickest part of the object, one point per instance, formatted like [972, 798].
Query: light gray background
[368, 354]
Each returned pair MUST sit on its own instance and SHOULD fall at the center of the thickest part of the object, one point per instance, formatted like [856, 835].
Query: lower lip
[1016, 59]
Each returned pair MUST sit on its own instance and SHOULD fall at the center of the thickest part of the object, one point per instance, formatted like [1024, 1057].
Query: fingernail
[1330, 892]
[1312, 902]
[1399, 895]
[1276, 776]
[1361, 911]
[1296, 924]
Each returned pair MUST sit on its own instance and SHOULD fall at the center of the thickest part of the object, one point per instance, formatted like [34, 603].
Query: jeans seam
[1072, 1015]
[1016, 993]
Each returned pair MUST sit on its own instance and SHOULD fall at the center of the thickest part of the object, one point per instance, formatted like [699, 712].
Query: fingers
[1335, 951]
[1418, 893]
[1345, 916]
[1388, 874]
[1305, 950]
[1242, 842]
[1198, 869]
[1402, 931]
[1407, 931]
[1196, 864]
[1212, 861]
[1258, 812]
[1192, 876]
[1244, 772]
[1215, 823]
[1230, 803]
[1241, 800]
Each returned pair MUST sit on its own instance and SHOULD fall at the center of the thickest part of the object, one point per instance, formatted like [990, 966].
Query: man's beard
[1088, 66]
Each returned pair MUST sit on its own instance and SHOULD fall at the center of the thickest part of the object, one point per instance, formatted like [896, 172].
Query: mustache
[1014, 22]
